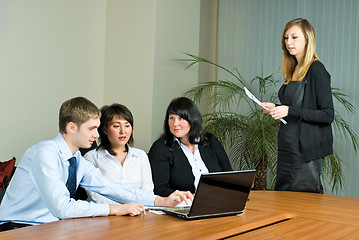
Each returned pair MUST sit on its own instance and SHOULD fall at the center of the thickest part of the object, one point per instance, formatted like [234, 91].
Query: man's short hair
[77, 110]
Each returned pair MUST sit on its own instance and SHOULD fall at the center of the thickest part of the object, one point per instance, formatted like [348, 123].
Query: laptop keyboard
[183, 210]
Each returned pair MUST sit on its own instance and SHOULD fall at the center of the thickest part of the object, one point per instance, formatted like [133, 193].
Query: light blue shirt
[37, 192]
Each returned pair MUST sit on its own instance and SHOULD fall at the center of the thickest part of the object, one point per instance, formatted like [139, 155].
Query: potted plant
[250, 136]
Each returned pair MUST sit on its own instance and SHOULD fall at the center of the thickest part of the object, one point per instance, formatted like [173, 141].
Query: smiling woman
[115, 157]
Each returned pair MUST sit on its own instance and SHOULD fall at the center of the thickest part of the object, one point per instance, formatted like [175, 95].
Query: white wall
[50, 51]
[177, 30]
[130, 34]
[106, 50]
[142, 37]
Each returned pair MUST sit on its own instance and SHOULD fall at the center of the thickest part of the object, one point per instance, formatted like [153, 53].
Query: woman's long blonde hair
[289, 62]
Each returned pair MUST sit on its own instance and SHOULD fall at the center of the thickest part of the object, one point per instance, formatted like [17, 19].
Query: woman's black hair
[108, 112]
[186, 109]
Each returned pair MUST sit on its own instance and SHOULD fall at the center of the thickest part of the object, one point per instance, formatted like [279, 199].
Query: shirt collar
[180, 143]
[103, 152]
[64, 148]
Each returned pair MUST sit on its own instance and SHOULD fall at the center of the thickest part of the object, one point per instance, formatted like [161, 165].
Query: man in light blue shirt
[38, 193]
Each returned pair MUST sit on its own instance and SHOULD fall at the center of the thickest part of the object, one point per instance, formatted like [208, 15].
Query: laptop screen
[222, 192]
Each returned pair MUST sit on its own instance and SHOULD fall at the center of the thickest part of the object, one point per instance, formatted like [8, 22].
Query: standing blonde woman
[306, 104]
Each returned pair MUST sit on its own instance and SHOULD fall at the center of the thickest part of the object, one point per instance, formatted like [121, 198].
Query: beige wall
[177, 30]
[208, 47]
[130, 34]
[49, 51]
[108, 51]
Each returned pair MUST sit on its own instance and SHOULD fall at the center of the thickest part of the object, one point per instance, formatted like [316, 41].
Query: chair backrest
[85, 150]
[7, 169]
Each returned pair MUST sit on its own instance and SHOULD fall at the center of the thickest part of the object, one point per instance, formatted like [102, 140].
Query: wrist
[159, 201]
[287, 111]
[115, 209]
[111, 211]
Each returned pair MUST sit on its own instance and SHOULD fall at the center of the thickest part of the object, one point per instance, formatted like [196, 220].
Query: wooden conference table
[268, 215]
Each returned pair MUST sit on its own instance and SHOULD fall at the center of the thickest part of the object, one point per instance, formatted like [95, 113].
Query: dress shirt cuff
[149, 199]
[102, 209]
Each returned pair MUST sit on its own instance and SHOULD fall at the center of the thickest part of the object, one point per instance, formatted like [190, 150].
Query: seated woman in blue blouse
[185, 150]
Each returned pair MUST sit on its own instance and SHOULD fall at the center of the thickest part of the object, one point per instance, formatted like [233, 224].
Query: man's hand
[132, 209]
[174, 199]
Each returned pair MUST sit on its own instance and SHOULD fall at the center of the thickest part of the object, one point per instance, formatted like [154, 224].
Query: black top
[314, 115]
[288, 140]
[171, 170]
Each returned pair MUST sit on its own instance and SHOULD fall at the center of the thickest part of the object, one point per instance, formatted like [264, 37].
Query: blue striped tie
[71, 180]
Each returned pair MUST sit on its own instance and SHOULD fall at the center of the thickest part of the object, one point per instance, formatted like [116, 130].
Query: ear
[104, 129]
[71, 127]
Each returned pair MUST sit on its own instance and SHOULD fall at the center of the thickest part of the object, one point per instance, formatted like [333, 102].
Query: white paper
[251, 96]
[157, 210]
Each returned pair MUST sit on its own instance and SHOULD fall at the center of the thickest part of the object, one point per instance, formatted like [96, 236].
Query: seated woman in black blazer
[185, 150]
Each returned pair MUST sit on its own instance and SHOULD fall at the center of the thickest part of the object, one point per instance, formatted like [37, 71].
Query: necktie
[71, 180]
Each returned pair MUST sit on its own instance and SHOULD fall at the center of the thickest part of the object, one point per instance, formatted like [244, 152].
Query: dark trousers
[10, 226]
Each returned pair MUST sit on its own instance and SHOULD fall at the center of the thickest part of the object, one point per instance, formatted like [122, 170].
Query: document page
[251, 96]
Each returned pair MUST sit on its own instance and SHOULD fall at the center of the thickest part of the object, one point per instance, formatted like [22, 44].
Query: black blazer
[316, 114]
[171, 170]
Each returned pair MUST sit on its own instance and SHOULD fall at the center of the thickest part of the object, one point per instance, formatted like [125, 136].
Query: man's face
[86, 134]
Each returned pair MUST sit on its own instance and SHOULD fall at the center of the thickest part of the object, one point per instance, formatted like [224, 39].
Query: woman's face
[119, 132]
[295, 41]
[179, 127]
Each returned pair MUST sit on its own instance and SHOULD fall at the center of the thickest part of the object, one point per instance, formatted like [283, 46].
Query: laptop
[218, 194]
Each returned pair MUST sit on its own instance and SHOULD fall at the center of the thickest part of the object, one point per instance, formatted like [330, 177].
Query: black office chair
[85, 150]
